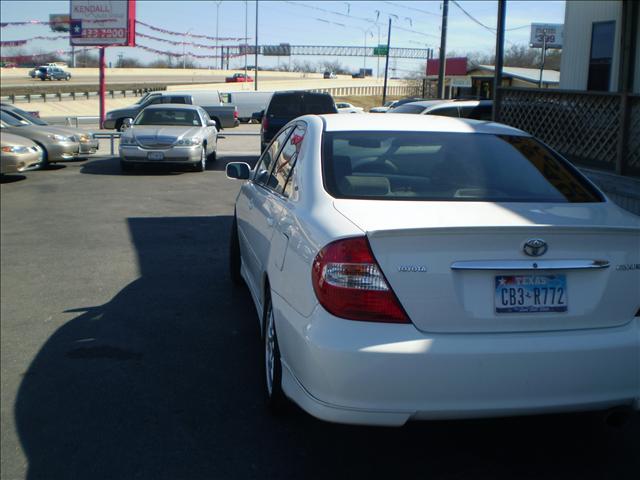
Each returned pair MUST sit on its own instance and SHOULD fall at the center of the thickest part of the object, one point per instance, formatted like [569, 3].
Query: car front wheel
[201, 166]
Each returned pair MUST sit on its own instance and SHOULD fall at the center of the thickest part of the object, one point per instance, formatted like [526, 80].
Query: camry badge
[535, 247]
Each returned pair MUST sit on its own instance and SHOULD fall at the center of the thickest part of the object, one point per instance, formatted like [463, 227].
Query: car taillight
[265, 123]
[235, 114]
[349, 283]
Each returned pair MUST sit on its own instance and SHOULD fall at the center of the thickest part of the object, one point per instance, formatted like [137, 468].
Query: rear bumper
[182, 155]
[384, 374]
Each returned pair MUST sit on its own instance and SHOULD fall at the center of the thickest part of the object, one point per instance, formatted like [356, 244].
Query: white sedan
[344, 107]
[411, 267]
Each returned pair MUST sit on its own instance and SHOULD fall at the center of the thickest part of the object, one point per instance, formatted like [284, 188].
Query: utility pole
[386, 65]
[246, 41]
[255, 83]
[497, 79]
[443, 48]
[217, 26]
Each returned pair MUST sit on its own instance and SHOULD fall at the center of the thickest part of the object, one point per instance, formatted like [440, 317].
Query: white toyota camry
[408, 268]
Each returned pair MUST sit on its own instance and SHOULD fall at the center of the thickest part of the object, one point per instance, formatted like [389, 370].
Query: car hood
[37, 133]
[165, 134]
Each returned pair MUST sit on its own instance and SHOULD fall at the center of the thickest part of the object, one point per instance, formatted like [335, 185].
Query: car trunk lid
[452, 275]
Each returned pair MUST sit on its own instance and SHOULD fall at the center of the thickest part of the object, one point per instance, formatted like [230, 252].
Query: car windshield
[168, 116]
[145, 97]
[28, 117]
[11, 120]
[446, 166]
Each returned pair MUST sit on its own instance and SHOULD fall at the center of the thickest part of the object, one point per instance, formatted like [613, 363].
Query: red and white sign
[102, 22]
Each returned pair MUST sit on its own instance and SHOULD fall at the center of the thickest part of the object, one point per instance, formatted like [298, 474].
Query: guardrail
[76, 94]
[392, 90]
[111, 136]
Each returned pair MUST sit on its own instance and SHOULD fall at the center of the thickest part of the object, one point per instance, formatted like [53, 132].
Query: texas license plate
[531, 293]
[155, 156]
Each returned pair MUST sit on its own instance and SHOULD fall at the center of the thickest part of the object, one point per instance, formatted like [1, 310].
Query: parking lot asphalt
[127, 354]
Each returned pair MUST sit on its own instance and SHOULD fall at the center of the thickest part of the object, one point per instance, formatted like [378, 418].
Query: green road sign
[380, 50]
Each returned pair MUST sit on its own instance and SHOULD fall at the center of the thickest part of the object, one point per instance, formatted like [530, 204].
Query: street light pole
[184, 58]
[217, 25]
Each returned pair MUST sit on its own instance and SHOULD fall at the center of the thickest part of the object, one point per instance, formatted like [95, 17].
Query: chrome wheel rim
[269, 350]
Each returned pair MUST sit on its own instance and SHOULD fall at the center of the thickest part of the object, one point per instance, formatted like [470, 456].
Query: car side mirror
[211, 123]
[126, 123]
[238, 170]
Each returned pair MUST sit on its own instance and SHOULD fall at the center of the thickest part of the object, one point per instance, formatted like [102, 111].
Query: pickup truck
[225, 116]
[238, 78]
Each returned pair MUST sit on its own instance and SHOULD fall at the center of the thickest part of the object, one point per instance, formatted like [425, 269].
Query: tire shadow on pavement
[165, 381]
[11, 178]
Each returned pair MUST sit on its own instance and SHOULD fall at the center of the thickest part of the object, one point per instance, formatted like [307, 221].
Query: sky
[304, 23]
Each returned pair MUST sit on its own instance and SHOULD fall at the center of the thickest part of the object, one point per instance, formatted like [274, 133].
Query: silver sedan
[169, 134]
[18, 154]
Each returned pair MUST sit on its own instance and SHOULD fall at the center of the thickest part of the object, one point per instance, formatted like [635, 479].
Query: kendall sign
[102, 22]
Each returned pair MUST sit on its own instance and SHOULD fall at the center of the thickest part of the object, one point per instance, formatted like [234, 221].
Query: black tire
[44, 164]
[201, 166]
[213, 156]
[275, 397]
[118, 125]
[234, 255]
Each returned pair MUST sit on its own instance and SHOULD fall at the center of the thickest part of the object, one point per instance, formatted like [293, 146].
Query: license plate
[155, 156]
[531, 293]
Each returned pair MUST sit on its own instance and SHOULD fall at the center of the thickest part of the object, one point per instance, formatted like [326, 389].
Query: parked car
[474, 109]
[344, 107]
[169, 134]
[419, 267]
[225, 116]
[57, 146]
[238, 78]
[329, 75]
[285, 106]
[248, 103]
[18, 154]
[53, 73]
[402, 101]
[384, 108]
[88, 144]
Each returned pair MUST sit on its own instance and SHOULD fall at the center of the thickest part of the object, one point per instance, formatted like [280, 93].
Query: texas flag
[76, 28]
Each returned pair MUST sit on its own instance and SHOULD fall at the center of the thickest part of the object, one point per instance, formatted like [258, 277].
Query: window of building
[602, 41]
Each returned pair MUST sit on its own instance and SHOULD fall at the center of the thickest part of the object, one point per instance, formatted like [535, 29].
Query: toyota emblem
[535, 247]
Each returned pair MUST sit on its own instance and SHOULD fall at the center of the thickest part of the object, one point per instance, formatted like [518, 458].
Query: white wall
[579, 16]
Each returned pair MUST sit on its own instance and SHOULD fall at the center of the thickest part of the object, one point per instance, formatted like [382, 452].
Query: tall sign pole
[102, 23]
[497, 79]
[443, 48]
[544, 52]
[102, 88]
[386, 65]
[246, 41]
[255, 83]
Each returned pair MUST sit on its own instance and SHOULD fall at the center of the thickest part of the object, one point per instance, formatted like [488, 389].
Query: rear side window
[480, 112]
[318, 104]
[445, 112]
[286, 161]
[447, 166]
[408, 108]
[175, 99]
[263, 170]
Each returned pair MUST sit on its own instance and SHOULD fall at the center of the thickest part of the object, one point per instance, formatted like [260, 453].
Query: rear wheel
[276, 400]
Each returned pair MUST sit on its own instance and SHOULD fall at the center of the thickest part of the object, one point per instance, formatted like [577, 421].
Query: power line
[413, 8]
[363, 19]
[491, 29]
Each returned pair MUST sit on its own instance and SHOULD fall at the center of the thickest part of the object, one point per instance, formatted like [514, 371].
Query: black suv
[285, 106]
[53, 73]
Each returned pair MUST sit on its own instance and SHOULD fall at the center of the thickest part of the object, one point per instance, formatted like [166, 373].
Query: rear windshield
[293, 105]
[445, 166]
[408, 108]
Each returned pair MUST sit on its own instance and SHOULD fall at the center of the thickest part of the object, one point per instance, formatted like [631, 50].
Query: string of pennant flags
[192, 35]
